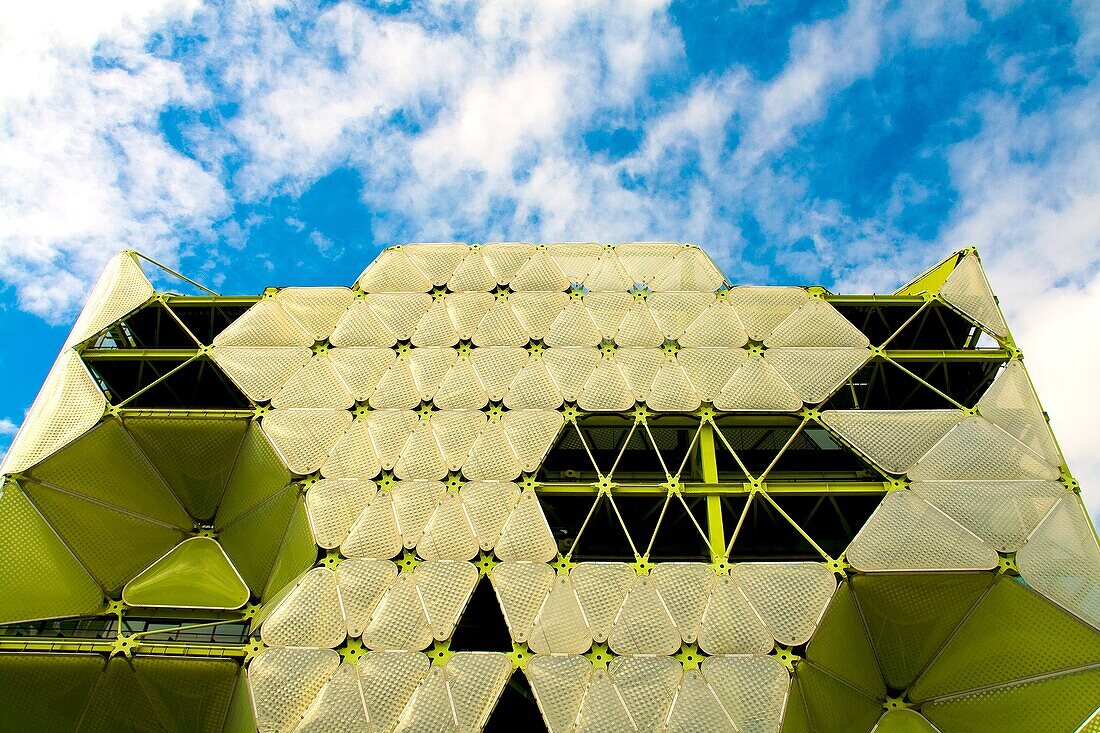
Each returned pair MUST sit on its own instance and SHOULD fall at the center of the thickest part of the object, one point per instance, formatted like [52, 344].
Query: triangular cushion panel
[120, 515]
[1059, 702]
[113, 544]
[194, 455]
[40, 576]
[841, 646]
[296, 551]
[107, 466]
[257, 475]
[967, 289]
[834, 706]
[1012, 634]
[271, 543]
[194, 574]
[950, 643]
[908, 617]
[47, 692]
[932, 279]
[149, 693]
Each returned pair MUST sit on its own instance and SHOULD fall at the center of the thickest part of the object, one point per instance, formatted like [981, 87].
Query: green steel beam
[945, 355]
[716, 489]
[716, 534]
[928, 355]
[109, 646]
[139, 354]
[199, 413]
[185, 300]
[839, 299]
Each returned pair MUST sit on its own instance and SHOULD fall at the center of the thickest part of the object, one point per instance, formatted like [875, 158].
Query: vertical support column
[716, 534]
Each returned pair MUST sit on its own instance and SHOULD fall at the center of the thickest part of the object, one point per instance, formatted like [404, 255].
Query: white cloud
[1055, 328]
[1029, 186]
[8, 429]
[83, 169]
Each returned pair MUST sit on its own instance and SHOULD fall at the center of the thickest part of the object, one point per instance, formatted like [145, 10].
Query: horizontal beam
[201, 413]
[107, 646]
[227, 300]
[788, 488]
[947, 355]
[139, 354]
[928, 355]
[839, 299]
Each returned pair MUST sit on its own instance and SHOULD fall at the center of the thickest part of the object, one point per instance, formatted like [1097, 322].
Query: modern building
[579, 486]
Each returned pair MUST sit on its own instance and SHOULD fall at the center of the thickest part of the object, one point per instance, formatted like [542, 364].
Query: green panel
[795, 719]
[834, 706]
[909, 616]
[120, 704]
[45, 693]
[253, 541]
[932, 279]
[1056, 704]
[257, 474]
[1013, 633]
[189, 695]
[239, 717]
[194, 574]
[106, 464]
[297, 554]
[195, 456]
[114, 546]
[39, 575]
[840, 645]
[904, 721]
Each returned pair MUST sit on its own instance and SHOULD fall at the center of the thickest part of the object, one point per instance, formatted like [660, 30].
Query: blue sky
[849, 144]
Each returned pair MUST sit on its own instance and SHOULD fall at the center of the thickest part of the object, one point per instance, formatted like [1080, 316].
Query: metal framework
[593, 486]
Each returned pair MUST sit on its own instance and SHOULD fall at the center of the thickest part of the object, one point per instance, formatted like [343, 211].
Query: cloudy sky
[849, 144]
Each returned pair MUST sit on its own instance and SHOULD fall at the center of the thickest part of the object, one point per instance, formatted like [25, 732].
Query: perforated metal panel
[317, 310]
[977, 449]
[908, 533]
[120, 289]
[309, 616]
[465, 411]
[967, 289]
[1061, 560]
[1010, 403]
[68, 405]
[893, 439]
[285, 681]
[789, 597]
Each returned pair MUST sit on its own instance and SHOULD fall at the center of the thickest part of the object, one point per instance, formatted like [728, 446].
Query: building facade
[579, 486]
